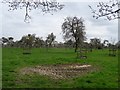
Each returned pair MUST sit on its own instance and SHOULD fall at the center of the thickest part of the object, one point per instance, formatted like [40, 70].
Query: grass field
[106, 75]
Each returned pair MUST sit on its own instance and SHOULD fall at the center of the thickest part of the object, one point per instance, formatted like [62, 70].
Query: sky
[43, 24]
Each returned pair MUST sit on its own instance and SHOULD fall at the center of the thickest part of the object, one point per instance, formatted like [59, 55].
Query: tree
[96, 43]
[10, 42]
[7, 41]
[105, 43]
[55, 43]
[38, 42]
[112, 49]
[50, 39]
[4, 40]
[45, 5]
[111, 10]
[73, 28]
[28, 42]
[69, 43]
[118, 44]
[18, 44]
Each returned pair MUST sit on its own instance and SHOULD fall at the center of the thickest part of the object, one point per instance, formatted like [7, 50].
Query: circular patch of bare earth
[60, 71]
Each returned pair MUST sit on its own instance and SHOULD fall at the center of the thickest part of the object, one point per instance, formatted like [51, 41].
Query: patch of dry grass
[61, 71]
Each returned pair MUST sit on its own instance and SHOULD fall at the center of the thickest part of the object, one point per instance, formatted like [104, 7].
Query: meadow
[13, 60]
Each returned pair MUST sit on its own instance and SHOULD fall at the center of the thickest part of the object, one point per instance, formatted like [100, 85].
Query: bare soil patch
[60, 71]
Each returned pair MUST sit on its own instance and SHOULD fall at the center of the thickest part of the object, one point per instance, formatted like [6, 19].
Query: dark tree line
[31, 41]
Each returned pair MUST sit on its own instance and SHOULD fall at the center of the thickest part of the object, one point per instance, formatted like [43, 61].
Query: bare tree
[47, 6]
[39, 42]
[28, 42]
[4, 41]
[96, 43]
[73, 28]
[10, 42]
[105, 43]
[110, 10]
[112, 48]
[118, 44]
[50, 39]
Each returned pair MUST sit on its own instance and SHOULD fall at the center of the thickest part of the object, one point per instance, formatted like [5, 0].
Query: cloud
[13, 22]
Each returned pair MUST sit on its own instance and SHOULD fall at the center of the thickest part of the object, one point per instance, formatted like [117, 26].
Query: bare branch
[110, 10]
[46, 6]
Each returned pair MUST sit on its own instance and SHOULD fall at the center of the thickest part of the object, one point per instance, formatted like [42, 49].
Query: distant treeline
[31, 40]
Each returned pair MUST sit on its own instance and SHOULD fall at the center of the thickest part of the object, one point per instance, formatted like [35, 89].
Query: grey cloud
[13, 22]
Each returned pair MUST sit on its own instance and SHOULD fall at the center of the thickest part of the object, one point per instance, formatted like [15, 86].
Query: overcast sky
[13, 22]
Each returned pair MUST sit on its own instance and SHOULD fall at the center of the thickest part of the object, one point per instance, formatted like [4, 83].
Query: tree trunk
[76, 47]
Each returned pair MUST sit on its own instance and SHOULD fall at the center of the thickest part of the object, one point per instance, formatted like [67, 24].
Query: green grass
[106, 75]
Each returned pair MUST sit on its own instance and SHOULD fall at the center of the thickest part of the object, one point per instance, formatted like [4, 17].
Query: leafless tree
[73, 28]
[39, 42]
[4, 41]
[95, 42]
[50, 39]
[47, 6]
[10, 42]
[110, 10]
[28, 42]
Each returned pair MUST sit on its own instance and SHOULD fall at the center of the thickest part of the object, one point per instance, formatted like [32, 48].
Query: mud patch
[62, 71]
